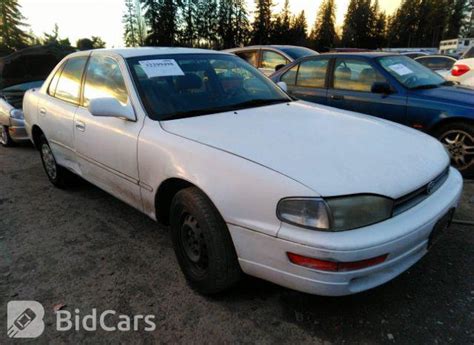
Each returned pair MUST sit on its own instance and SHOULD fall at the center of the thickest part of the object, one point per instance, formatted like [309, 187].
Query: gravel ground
[85, 249]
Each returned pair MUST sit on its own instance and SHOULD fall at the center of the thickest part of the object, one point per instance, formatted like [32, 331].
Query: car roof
[146, 51]
[274, 46]
[435, 55]
[370, 55]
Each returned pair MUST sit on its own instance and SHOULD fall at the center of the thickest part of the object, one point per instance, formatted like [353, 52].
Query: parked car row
[311, 197]
[393, 87]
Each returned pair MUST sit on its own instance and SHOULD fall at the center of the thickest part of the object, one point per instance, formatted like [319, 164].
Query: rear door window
[290, 76]
[69, 84]
[355, 75]
[312, 73]
[270, 60]
[251, 56]
[54, 81]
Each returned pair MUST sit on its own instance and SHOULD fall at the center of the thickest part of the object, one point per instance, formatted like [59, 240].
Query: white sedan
[463, 70]
[309, 197]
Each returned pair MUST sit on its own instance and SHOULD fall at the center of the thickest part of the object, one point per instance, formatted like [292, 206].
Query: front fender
[245, 193]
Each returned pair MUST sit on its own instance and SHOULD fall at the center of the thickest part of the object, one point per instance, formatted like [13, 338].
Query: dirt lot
[85, 249]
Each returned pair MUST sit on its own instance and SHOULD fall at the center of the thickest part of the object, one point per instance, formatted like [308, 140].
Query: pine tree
[324, 34]
[357, 24]
[458, 18]
[378, 26]
[207, 22]
[162, 19]
[188, 34]
[53, 38]
[11, 22]
[299, 30]
[141, 25]
[282, 25]
[233, 24]
[130, 24]
[262, 25]
[403, 25]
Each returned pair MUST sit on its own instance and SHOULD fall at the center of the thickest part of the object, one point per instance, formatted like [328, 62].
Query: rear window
[298, 52]
[69, 83]
[469, 54]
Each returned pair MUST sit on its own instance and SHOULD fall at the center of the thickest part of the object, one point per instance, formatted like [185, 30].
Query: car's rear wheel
[5, 138]
[57, 175]
[458, 138]
[202, 243]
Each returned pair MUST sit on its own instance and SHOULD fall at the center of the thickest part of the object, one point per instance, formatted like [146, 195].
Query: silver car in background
[19, 72]
[270, 58]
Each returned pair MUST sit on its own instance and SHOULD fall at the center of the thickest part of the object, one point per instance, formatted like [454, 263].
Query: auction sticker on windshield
[400, 69]
[161, 68]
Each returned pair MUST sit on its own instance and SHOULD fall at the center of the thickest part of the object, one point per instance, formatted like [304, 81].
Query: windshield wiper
[231, 107]
[426, 86]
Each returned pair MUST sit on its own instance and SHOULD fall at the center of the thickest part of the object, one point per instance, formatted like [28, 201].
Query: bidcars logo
[25, 319]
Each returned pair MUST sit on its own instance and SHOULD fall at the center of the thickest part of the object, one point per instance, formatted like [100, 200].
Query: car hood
[456, 95]
[332, 152]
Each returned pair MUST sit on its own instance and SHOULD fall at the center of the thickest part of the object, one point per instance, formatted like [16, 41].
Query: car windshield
[298, 52]
[178, 86]
[410, 73]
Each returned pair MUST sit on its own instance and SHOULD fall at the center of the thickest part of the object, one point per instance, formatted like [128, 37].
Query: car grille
[410, 200]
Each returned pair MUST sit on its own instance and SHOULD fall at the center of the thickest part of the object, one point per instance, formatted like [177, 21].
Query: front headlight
[335, 214]
[17, 114]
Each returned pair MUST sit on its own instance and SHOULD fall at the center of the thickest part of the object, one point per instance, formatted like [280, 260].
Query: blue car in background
[393, 87]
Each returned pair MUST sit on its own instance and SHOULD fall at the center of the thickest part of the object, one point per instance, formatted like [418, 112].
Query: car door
[270, 60]
[58, 107]
[352, 81]
[307, 80]
[107, 146]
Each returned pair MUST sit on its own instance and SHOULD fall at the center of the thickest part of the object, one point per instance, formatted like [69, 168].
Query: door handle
[80, 126]
[337, 97]
[42, 111]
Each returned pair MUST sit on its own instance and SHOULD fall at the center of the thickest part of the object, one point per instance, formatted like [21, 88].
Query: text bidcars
[309, 197]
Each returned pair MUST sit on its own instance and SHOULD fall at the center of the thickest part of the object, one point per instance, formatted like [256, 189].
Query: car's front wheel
[57, 175]
[202, 243]
[458, 138]
[5, 138]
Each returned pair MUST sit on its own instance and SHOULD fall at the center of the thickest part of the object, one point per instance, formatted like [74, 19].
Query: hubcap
[3, 135]
[461, 148]
[193, 243]
[49, 162]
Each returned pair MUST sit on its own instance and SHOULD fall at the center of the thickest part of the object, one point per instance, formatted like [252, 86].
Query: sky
[85, 18]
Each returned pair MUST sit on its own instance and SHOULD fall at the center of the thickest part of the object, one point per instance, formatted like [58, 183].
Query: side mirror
[110, 107]
[381, 87]
[282, 85]
[279, 67]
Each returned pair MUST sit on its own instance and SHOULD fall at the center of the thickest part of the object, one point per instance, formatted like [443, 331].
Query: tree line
[15, 36]
[221, 24]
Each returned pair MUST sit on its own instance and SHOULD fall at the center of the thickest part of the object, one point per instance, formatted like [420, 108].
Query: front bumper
[404, 238]
[17, 130]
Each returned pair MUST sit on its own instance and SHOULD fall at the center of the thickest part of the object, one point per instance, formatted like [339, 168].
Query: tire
[5, 139]
[57, 175]
[458, 138]
[202, 243]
